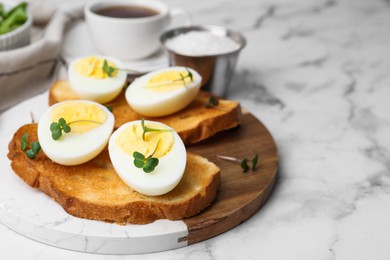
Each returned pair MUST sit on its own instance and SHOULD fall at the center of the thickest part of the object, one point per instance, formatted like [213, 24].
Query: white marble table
[317, 74]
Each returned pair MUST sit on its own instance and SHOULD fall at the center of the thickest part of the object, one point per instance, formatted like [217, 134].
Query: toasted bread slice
[194, 123]
[93, 190]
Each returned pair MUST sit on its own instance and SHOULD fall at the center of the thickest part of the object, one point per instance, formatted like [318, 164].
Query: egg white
[163, 179]
[153, 103]
[94, 89]
[74, 149]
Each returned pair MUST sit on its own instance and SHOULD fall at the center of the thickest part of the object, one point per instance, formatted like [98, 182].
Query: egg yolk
[130, 140]
[168, 81]
[81, 117]
[92, 67]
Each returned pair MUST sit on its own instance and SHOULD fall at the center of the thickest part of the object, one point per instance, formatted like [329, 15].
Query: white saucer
[77, 43]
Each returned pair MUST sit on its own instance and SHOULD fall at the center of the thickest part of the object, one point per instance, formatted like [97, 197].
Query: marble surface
[316, 73]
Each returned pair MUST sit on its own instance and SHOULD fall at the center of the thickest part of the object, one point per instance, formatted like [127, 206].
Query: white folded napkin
[22, 68]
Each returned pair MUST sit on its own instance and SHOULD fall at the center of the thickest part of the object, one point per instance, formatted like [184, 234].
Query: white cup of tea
[129, 29]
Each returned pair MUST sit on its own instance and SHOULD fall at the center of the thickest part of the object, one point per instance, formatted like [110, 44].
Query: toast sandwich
[93, 190]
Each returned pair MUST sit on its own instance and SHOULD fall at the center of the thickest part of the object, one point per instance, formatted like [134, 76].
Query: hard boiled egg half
[162, 143]
[91, 125]
[163, 92]
[96, 78]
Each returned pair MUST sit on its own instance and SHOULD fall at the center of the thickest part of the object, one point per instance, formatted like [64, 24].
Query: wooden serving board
[33, 214]
[241, 194]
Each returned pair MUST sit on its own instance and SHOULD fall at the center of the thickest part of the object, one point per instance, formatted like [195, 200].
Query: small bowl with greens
[15, 24]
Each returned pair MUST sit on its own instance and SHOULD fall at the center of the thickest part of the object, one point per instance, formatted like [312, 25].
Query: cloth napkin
[21, 69]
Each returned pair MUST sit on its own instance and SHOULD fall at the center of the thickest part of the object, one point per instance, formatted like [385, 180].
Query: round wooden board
[35, 215]
[241, 194]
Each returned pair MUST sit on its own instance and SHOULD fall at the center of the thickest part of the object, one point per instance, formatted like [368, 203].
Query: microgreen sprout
[24, 142]
[181, 79]
[147, 164]
[243, 163]
[212, 102]
[254, 162]
[56, 128]
[110, 108]
[109, 70]
[189, 75]
[148, 129]
[35, 147]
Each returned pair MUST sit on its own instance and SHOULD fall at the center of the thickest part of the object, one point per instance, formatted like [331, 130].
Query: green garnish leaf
[62, 122]
[139, 163]
[66, 128]
[138, 155]
[190, 75]
[139, 159]
[105, 66]
[109, 108]
[35, 147]
[212, 102]
[56, 135]
[254, 162]
[144, 128]
[147, 129]
[24, 143]
[244, 165]
[150, 164]
[30, 154]
[182, 79]
[147, 164]
[34, 150]
[56, 128]
[109, 70]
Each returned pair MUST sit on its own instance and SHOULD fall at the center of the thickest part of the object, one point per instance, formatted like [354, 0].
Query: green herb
[34, 150]
[56, 128]
[189, 75]
[254, 162]
[148, 129]
[109, 70]
[147, 164]
[182, 79]
[12, 19]
[24, 142]
[109, 108]
[212, 102]
[243, 163]
[35, 147]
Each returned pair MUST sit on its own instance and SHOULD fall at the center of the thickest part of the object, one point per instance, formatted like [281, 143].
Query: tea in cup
[129, 29]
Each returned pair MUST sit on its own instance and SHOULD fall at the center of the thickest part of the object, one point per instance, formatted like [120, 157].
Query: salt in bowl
[212, 56]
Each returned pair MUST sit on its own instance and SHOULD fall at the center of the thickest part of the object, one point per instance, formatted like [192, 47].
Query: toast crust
[194, 123]
[93, 190]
